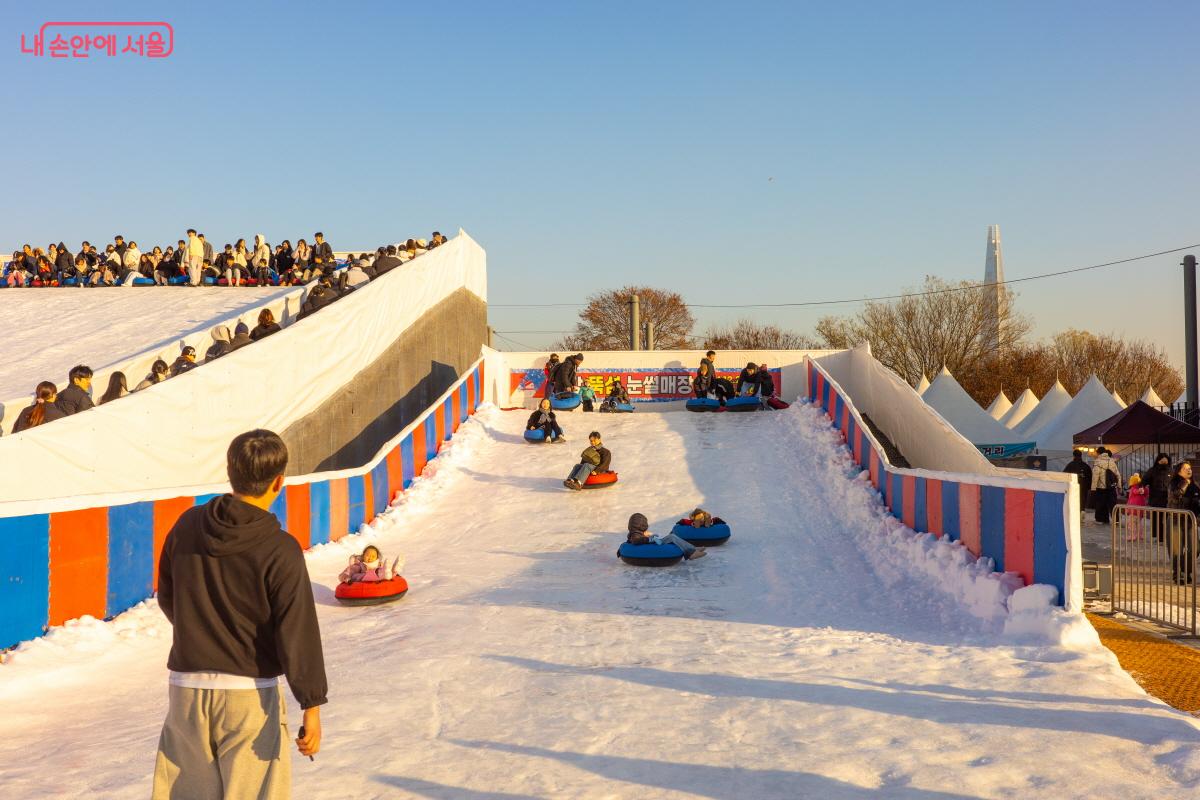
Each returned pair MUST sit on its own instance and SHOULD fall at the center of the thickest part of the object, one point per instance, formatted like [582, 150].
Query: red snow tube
[776, 403]
[598, 479]
[364, 593]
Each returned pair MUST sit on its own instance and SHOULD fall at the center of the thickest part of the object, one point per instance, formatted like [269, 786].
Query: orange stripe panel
[298, 512]
[395, 469]
[418, 439]
[968, 516]
[78, 564]
[439, 424]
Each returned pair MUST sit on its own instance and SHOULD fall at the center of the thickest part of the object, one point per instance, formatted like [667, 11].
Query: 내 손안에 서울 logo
[85, 39]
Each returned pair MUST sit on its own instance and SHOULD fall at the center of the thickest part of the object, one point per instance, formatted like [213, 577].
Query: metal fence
[1154, 565]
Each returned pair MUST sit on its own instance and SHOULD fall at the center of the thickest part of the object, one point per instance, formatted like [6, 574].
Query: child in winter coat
[1139, 495]
[369, 567]
[702, 519]
[596, 458]
[587, 395]
[638, 527]
[543, 420]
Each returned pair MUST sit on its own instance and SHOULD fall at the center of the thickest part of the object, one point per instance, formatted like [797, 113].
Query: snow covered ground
[48, 331]
[825, 652]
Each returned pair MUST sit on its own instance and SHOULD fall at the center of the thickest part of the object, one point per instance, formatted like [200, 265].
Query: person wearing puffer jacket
[241, 337]
[369, 567]
[220, 345]
[1106, 480]
[260, 260]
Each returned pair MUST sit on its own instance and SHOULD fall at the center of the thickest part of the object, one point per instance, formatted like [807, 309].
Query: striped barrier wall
[98, 562]
[1020, 523]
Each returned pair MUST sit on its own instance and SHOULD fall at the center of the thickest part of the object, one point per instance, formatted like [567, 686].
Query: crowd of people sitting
[330, 285]
[194, 261]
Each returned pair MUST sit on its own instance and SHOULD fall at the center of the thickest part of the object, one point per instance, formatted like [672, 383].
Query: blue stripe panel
[24, 577]
[406, 461]
[478, 388]
[825, 392]
[851, 430]
[204, 498]
[837, 412]
[358, 501]
[1050, 541]
[449, 404]
[897, 495]
[381, 494]
[318, 512]
[431, 441]
[279, 509]
[462, 403]
[950, 524]
[130, 556]
[991, 524]
[865, 452]
[920, 516]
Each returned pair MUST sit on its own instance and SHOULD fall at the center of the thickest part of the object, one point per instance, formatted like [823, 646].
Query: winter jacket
[539, 418]
[318, 298]
[385, 263]
[618, 394]
[325, 251]
[1082, 472]
[356, 276]
[53, 412]
[599, 457]
[1183, 494]
[261, 258]
[148, 381]
[1158, 480]
[72, 400]
[766, 384]
[181, 366]
[262, 331]
[220, 345]
[1100, 465]
[361, 571]
[1138, 495]
[235, 588]
[748, 379]
[702, 384]
[564, 376]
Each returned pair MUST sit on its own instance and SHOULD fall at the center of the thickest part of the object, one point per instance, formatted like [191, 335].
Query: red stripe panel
[298, 521]
[1018, 533]
[78, 564]
[395, 469]
[933, 505]
[418, 439]
[873, 468]
[968, 516]
[820, 388]
[339, 509]
[166, 514]
[909, 513]
[482, 385]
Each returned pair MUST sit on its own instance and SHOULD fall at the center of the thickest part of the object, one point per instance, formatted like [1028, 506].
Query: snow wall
[99, 561]
[1026, 522]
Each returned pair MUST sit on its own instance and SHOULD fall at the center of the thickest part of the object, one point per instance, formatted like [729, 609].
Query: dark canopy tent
[1139, 423]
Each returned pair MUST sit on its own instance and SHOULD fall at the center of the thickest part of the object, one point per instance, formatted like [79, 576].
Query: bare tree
[604, 323]
[746, 334]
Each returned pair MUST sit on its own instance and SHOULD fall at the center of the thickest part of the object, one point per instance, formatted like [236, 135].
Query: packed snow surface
[52, 330]
[825, 652]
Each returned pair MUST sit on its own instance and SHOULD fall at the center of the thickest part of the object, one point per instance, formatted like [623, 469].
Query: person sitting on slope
[543, 420]
[703, 384]
[638, 527]
[766, 384]
[747, 382]
[616, 396]
[595, 459]
[702, 519]
[369, 567]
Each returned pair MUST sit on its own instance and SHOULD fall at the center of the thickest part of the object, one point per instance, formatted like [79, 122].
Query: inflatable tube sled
[776, 403]
[371, 593]
[745, 403]
[537, 435]
[715, 534]
[617, 408]
[703, 404]
[650, 555]
[565, 401]
[599, 480]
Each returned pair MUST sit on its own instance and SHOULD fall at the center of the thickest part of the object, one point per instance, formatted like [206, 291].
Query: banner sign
[643, 385]
[1005, 450]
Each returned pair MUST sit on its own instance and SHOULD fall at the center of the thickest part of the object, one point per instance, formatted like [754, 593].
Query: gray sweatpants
[224, 744]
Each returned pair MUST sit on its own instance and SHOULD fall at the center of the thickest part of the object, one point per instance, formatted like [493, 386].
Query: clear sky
[738, 153]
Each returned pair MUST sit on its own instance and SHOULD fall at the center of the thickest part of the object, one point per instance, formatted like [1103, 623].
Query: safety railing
[1154, 565]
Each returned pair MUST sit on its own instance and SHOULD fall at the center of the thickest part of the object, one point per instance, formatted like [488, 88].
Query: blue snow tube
[143, 281]
[717, 533]
[743, 403]
[703, 404]
[538, 435]
[649, 555]
[624, 408]
[568, 401]
[178, 280]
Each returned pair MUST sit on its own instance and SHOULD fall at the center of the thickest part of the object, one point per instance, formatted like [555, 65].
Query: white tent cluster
[999, 406]
[951, 401]
[1026, 402]
[1151, 398]
[1093, 404]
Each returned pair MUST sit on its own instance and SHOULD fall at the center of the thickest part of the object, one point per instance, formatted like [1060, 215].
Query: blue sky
[737, 153]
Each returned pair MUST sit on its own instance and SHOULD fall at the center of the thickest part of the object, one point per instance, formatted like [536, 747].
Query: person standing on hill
[1106, 480]
[236, 590]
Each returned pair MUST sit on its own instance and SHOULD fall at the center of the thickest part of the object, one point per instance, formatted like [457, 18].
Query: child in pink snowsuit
[368, 568]
[1139, 495]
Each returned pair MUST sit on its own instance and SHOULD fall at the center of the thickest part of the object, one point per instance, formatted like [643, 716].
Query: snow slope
[826, 651]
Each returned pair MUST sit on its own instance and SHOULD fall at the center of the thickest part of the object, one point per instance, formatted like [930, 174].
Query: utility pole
[635, 324]
[490, 339]
[649, 335]
[1189, 335]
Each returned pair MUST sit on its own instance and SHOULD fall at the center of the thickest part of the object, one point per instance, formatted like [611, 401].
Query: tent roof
[1139, 424]
[1022, 408]
[923, 385]
[1120, 400]
[1093, 404]
[1151, 398]
[1055, 401]
[999, 406]
[952, 402]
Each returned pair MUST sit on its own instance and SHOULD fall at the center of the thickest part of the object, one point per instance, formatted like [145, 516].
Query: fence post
[1189, 335]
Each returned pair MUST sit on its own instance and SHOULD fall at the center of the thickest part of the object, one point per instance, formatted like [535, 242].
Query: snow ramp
[811, 656]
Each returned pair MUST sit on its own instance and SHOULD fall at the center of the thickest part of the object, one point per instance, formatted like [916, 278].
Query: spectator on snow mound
[260, 261]
[158, 373]
[369, 567]
[1106, 480]
[543, 419]
[566, 377]
[638, 534]
[186, 361]
[704, 385]
[322, 249]
[77, 397]
[43, 409]
[388, 261]
[356, 275]
[595, 459]
[266, 325]
[235, 588]
[241, 337]
[117, 388]
[220, 346]
[1083, 474]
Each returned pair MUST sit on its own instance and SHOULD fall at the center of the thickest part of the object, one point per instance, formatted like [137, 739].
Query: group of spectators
[192, 260]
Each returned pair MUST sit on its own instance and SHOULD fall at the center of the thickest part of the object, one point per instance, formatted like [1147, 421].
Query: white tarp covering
[1022, 408]
[176, 433]
[951, 401]
[1151, 398]
[1055, 401]
[1093, 404]
[999, 406]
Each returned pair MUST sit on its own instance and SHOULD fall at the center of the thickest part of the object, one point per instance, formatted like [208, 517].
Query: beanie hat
[241, 328]
[638, 523]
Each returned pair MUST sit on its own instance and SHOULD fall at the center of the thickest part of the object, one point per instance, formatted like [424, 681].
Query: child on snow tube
[596, 458]
[543, 420]
[617, 396]
[369, 567]
[638, 534]
[748, 381]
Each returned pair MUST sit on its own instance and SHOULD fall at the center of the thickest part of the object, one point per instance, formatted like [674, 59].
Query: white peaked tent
[1182, 398]
[1093, 404]
[1055, 401]
[1151, 398]
[1117, 396]
[1022, 408]
[952, 402]
[999, 406]
[923, 385]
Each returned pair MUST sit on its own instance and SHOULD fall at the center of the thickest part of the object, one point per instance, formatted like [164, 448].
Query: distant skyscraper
[993, 279]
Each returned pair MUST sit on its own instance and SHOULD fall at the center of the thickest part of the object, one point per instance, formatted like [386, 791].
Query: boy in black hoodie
[235, 587]
[638, 527]
[596, 458]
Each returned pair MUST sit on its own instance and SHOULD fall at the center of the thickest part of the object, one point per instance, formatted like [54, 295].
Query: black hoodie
[235, 588]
